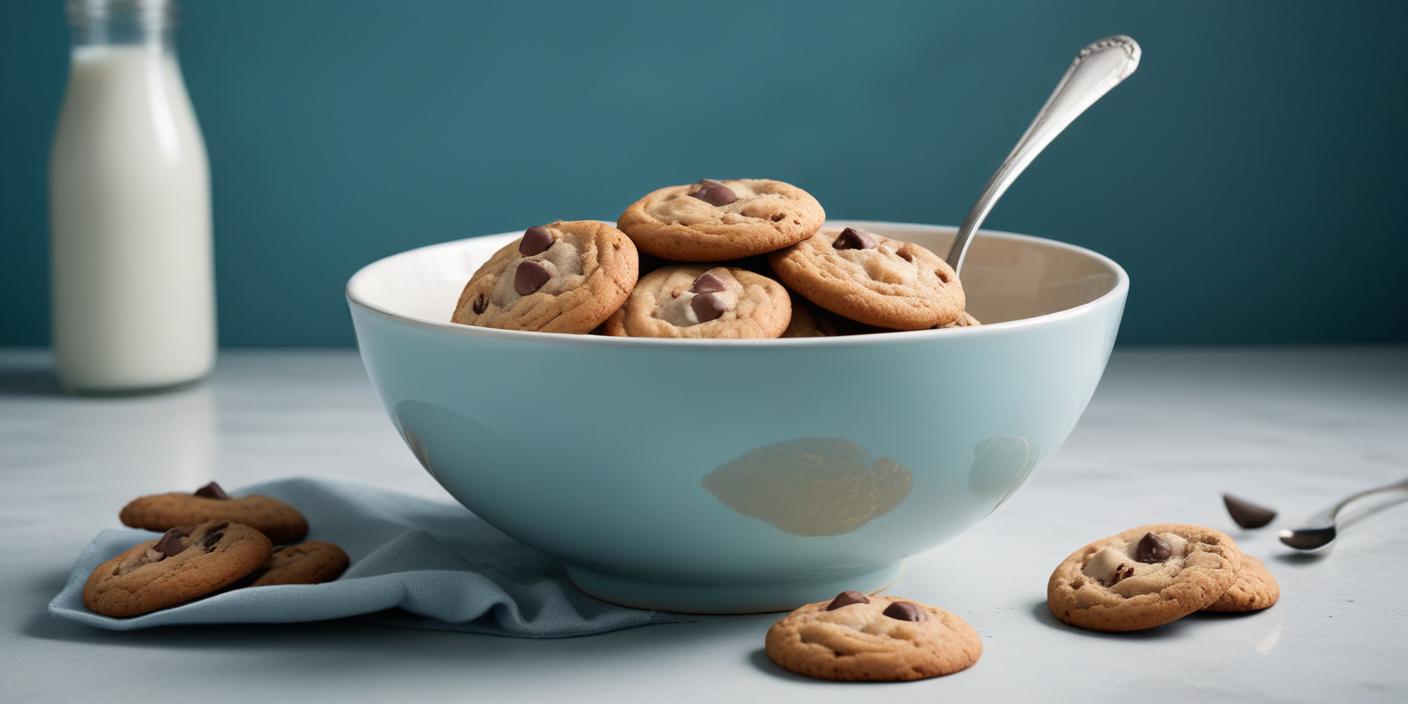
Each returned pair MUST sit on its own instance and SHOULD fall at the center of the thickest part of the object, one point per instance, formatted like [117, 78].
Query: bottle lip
[147, 13]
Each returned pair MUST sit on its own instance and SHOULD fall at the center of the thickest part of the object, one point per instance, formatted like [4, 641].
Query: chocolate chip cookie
[313, 562]
[964, 321]
[721, 220]
[872, 279]
[701, 302]
[564, 277]
[872, 638]
[159, 512]
[810, 321]
[184, 564]
[1255, 589]
[1143, 578]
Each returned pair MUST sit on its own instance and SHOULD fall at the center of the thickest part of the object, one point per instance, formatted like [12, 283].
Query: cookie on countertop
[1255, 589]
[721, 220]
[564, 277]
[183, 564]
[1143, 578]
[872, 279]
[872, 638]
[703, 302]
[313, 562]
[159, 512]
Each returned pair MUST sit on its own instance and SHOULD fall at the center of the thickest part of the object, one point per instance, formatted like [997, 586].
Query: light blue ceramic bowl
[749, 475]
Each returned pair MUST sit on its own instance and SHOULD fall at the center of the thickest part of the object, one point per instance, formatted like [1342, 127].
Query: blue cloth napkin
[415, 563]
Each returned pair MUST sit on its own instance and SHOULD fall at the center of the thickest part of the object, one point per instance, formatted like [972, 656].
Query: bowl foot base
[725, 596]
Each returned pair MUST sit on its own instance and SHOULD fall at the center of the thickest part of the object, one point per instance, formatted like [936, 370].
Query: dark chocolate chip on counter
[535, 240]
[847, 598]
[708, 306]
[1152, 549]
[212, 491]
[529, 277]
[714, 193]
[904, 611]
[1247, 514]
[708, 282]
[855, 238]
[170, 543]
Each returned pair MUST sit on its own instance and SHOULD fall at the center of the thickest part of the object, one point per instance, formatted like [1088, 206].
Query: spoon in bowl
[1097, 68]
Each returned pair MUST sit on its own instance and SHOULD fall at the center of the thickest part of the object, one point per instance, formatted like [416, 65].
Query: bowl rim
[1116, 293]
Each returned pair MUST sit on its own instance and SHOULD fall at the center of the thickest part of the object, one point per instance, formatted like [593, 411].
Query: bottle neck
[137, 23]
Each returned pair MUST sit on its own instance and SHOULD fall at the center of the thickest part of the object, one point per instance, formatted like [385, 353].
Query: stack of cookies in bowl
[740, 258]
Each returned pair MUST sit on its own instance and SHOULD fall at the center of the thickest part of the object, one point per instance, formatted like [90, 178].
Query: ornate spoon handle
[1097, 68]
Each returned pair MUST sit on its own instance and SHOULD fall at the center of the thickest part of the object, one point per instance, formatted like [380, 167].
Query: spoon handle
[1096, 69]
[1331, 514]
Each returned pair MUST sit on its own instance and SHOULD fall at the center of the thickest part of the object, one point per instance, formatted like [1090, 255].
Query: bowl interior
[1007, 277]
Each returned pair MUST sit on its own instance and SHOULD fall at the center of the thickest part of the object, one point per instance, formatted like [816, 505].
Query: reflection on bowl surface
[812, 486]
[747, 474]
[1000, 465]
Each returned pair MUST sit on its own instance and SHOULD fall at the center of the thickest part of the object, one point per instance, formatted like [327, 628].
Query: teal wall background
[1256, 136]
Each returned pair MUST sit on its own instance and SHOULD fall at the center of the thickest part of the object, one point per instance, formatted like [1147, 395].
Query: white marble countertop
[1166, 432]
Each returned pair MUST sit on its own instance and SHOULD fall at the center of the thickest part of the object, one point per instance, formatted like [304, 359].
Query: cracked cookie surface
[565, 277]
[872, 279]
[872, 638]
[721, 220]
[703, 302]
[184, 564]
[1143, 578]
[1255, 589]
[312, 562]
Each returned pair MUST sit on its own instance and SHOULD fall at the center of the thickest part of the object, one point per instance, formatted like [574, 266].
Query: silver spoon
[1097, 68]
[1320, 529]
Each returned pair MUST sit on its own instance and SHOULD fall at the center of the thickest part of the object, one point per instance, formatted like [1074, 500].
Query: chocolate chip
[217, 526]
[847, 598]
[530, 277]
[1247, 514]
[170, 543]
[535, 240]
[1121, 573]
[1152, 549]
[212, 491]
[708, 306]
[855, 238]
[904, 611]
[210, 539]
[714, 193]
[708, 282]
[480, 304]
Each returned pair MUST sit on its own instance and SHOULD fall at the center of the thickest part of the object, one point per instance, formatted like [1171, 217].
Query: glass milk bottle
[129, 208]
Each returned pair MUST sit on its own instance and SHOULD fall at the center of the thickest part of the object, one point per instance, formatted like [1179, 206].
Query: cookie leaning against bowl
[184, 564]
[721, 220]
[276, 519]
[561, 277]
[313, 562]
[1143, 578]
[872, 638]
[700, 302]
[872, 279]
